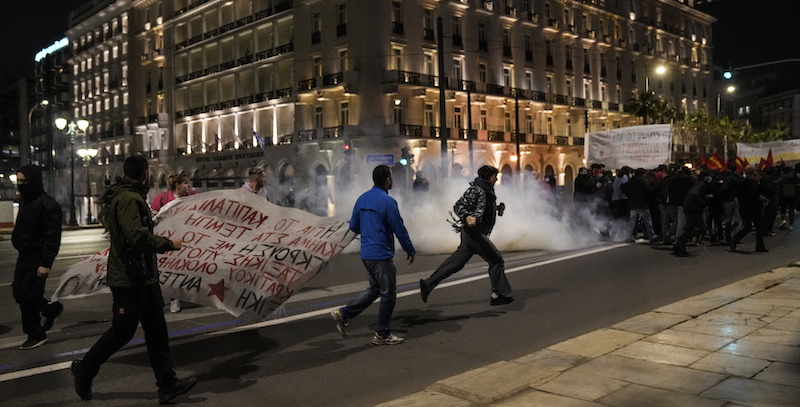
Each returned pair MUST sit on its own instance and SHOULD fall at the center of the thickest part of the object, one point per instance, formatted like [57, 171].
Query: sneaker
[783, 225]
[55, 309]
[177, 388]
[423, 290]
[390, 339]
[341, 323]
[500, 299]
[82, 378]
[32, 343]
[174, 305]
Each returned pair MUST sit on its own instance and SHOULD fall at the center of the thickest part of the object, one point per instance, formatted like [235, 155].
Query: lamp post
[73, 128]
[87, 154]
[660, 70]
[43, 102]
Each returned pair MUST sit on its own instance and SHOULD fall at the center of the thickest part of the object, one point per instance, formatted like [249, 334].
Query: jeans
[646, 219]
[669, 220]
[383, 284]
[473, 242]
[133, 305]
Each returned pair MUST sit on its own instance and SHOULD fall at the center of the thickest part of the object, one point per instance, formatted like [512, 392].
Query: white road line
[65, 365]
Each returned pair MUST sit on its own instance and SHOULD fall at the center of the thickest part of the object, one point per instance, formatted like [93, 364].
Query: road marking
[277, 321]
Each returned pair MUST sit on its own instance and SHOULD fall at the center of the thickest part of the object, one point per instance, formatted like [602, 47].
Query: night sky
[744, 33]
[27, 26]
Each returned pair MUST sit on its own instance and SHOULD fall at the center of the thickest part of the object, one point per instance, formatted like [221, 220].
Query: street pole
[88, 196]
[73, 221]
[469, 128]
[442, 106]
[516, 138]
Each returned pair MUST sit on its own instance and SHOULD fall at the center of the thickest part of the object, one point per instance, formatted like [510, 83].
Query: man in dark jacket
[751, 207]
[727, 191]
[133, 278]
[477, 210]
[638, 191]
[693, 206]
[37, 238]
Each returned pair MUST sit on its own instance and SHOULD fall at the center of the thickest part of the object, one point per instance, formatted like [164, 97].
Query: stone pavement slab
[736, 346]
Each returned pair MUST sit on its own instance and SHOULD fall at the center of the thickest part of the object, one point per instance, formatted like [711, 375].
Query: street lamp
[43, 102]
[72, 129]
[660, 70]
[87, 154]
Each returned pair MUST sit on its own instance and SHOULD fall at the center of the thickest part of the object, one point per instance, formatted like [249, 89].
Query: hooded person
[37, 238]
[477, 211]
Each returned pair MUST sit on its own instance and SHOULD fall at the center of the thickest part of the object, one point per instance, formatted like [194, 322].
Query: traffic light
[406, 158]
[728, 74]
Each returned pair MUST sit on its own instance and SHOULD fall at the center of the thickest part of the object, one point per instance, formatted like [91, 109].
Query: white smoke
[533, 220]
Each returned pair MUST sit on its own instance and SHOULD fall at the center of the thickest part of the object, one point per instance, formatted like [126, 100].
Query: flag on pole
[769, 159]
[741, 163]
[717, 163]
[259, 140]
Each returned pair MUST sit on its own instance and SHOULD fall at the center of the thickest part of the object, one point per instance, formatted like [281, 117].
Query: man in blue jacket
[377, 218]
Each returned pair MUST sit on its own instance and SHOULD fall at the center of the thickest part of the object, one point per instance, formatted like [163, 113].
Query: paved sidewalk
[738, 345]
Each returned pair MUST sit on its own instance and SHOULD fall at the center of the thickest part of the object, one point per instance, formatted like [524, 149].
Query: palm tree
[648, 105]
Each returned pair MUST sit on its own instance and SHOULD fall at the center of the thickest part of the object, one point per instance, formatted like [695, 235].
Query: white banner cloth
[788, 150]
[637, 146]
[240, 253]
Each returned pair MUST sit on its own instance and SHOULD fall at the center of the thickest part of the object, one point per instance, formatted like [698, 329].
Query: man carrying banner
[133, 278]
[377, 218]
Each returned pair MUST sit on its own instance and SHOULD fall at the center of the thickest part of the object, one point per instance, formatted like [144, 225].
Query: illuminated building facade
[310, 89]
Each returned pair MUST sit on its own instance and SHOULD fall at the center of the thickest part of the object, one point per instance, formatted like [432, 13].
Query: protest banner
[240, 253]
[787, 150]
[637, 146]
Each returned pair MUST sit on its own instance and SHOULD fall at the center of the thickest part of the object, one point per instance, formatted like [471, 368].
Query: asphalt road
[300, 359]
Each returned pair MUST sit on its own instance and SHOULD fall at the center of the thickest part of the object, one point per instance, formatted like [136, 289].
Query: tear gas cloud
[532, 219]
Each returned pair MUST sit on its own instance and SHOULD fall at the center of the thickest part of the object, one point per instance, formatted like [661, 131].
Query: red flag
[769, 159]
[762, 164]
[741, 164]
[703, 161]
[715, 162]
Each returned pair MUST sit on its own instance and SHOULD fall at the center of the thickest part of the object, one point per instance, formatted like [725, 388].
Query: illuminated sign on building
[51, 49]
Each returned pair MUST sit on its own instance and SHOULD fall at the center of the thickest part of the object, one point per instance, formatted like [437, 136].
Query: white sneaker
[390, 339]
[174, 305]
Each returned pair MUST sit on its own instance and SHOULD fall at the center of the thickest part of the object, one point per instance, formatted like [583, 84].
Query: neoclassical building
[319, 91]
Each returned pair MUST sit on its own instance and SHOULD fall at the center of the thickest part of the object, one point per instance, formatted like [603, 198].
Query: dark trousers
[473, 242]
[28, 289]
[133, 305]
[692, 228]
[750, 220]
[383, 284]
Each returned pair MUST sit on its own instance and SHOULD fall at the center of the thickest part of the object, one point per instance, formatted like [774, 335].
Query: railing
[540, 139]
[561, 140]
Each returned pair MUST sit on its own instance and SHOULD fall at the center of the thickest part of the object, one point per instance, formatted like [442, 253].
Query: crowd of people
[676, 205]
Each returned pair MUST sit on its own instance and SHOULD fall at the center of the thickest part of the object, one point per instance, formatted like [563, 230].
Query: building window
[482, 73]
[484, 121]
[550, 84]
[529, 79]
[507, 121]
[398, 113]
[397, 59]
[317, 66]
[430, 119]
[429, 68]
[343, 60]
[507, 77]
[457, 70]
[318, 117]
[529, 124]
[458, 118]
[344, 114]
